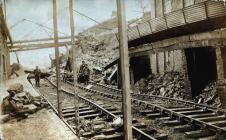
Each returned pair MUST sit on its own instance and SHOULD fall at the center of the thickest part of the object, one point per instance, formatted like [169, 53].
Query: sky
[24, 15]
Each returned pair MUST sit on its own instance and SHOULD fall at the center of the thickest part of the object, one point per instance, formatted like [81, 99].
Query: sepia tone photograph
[112, 70]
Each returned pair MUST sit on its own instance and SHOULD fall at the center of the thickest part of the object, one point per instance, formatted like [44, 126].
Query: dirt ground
[43, 125]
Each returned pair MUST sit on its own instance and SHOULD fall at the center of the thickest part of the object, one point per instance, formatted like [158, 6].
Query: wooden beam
[76, 98]
[39, 40]
[41, 45]
[124, 59]
[59, 101]
[31, 49]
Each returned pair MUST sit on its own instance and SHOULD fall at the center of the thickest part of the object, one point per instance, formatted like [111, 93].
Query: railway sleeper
[116, 112]
[103, 131]
[194, 112]
[213, 119]
[109, 137]
[199, 133]
[183, 109]
[219, 123]
[173, 123]
[161, 136]
[202, 115]
[149, 131]
[185, 128]
[89, 112]
[164, 119]
[72, 110]
[154, 115]
[144, 112]
[92, 116]
[72, 107]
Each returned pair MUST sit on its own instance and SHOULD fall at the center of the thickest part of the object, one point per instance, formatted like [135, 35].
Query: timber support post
[124, 59]
[76, 98]
[59, 100]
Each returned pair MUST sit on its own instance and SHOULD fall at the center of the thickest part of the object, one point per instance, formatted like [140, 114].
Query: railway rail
[195, 120]
[95, 116]
[154, 97]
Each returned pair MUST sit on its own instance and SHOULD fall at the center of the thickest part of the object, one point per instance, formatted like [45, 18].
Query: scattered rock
[20, 103]
[117, 123]
[16, 88]
[209, 96]
[4, 118]
[170, 84]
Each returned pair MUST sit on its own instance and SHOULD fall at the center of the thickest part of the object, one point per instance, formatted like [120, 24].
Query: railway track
[192, 119]
[95, 117]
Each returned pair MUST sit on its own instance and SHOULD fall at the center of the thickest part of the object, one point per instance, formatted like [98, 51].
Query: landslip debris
[209, 96]
[170, 84]
[19, 103]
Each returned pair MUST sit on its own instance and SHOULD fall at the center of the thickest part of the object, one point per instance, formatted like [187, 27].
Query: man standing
[81, 73]
[37, 73]
[86, 73]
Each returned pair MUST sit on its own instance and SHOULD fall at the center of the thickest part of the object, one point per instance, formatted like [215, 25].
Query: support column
[157, 63]
[187, 81]
[153, 8]
[221, 87]
[131, 78]
[177, 4]
[59, 101]
[164, 61]
[119, 79]
[159, 8]
[124, 59]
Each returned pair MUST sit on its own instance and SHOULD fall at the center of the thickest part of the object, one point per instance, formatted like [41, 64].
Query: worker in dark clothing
[86, 73]
[37, 73]
[81, 73]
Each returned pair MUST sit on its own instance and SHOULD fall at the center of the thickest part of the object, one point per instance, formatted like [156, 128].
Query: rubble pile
[209, 96]
[19, 103]
[170, 84]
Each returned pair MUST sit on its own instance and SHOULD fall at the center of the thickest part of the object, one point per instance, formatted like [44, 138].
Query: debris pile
[19, 103]
[170, 84]
[209, 96]
[12, 70]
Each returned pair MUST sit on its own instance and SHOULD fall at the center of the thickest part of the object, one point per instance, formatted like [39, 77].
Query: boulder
[15, 88]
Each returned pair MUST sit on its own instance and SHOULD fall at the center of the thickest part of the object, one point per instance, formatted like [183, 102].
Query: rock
[4, 118]
[171, 84]
[117, 123]
[31, 108]
[209, 96]
[15, 88]
[98, 127]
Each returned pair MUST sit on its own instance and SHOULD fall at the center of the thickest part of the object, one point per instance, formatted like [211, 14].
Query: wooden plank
[144, 28]
[175, 19]
[195, 13]
[124, 62]
[158, 24]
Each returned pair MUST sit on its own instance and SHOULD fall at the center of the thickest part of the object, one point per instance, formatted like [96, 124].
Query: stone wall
[167, 61]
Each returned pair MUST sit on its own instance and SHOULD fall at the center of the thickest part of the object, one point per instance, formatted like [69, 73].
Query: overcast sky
[40, 12]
